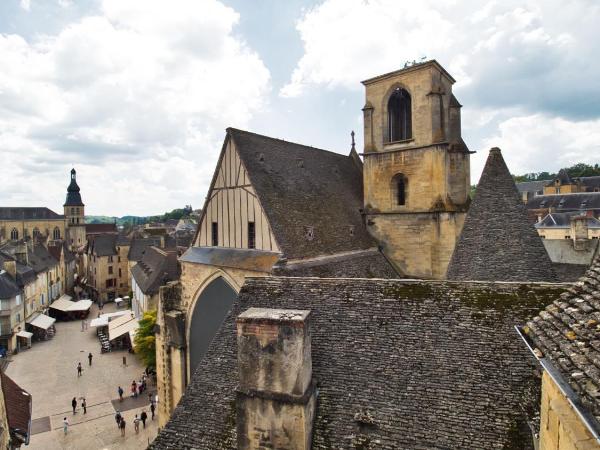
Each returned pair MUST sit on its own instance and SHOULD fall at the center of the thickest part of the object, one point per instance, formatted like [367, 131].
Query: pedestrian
[144, 417]
[134, 388]
[136, 424]
[152, 408]
[120, 391]
[90, 356]
[79, 369]
[82, 325]
[150, 399]
[118, 419]
[65, 425]
[84, 405]
[74, 404]
[122, 426]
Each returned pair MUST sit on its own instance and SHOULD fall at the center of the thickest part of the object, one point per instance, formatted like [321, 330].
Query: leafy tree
[145, 342]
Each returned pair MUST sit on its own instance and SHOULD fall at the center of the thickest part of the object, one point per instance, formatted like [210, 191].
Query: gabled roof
[566, 332]
[497, 241]
[531, 186]
[104, 245]
[561, 176]
[300, 187]
[138, 246]
[25, 274]
[8, 285]
[39, 258]
[156, 268]
[436, 365]
[566, 202]
[17, 402]
[17, 213]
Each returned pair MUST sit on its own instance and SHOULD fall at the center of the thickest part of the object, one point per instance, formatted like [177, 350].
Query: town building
[12, 312]
[564, 339]
[107, 269]
[22, 223]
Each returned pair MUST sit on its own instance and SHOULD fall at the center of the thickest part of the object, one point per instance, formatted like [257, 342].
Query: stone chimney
[276, 397]
[579, 232]
[21, 253]
[11, 267]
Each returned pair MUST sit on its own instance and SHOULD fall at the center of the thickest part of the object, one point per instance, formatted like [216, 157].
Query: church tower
[74, 214]
[416, 168]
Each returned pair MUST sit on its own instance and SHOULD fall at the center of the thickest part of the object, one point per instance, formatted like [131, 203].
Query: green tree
[145, 342]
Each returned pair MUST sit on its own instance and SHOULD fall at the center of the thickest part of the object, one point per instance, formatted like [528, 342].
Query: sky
[137, 94]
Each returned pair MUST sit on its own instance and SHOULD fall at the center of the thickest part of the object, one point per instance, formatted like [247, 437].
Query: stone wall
[26, 227]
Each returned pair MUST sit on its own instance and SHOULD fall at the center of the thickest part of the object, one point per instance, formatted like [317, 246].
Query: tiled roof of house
[139, 245]
[9, 213]
[98, 228]
[567, 333]
[531, 186]
[436, 365]
[104, 245]
[18, 408]
[304, 188]
[497, 241]
[566, 202]
[563, 220]
[156, 268]
[8, 286]
[39, 258]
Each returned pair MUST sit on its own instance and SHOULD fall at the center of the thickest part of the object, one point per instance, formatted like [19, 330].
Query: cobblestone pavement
[48, 371]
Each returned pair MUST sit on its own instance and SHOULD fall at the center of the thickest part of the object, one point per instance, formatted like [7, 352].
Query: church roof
[28, 213]
[497, 242]
[312, 197]
[434, 364]
[566, 332]
[73, 195]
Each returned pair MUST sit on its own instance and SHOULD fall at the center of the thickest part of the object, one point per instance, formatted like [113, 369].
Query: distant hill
[177, 213]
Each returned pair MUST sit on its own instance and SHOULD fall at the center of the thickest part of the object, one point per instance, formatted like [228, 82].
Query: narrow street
[48, 371]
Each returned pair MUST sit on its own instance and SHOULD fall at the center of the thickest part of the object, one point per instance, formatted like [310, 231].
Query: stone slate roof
[567, 334]
[562, 176]
[437, 365]
[103, 245]
[25, 274]
[138, 246]
[563, 220]
[566, 202]
[8, 213]
[98, 228]
[591, 183]
[18, 408]
[301, 187]
[156, 268]
[8, 285]
[73, 195]
[497, 241]
[39, 258]
[531, 186]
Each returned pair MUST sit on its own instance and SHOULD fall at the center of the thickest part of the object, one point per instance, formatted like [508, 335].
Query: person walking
[79, 369]
[144, 417]
[122, 426]
[65, 425]
[134, 388]
[84, 405]
[118, 419]
[90, 356]
[136, 424]
[74, 404]
[120, 392]
[152, 408]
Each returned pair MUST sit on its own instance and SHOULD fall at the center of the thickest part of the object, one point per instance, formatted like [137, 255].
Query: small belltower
[416, 168]
[74, 214]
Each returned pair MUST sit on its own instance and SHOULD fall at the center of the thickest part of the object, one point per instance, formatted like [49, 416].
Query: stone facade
[418, 232]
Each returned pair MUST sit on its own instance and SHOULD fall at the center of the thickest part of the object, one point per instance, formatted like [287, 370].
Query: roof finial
[352, 135]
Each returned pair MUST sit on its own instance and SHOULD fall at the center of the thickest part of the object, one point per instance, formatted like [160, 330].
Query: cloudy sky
[136, 94]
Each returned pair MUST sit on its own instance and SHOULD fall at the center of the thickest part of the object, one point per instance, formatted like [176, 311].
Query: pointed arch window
[399, 189]
[399, 116]
[14, 234]
[56, 233]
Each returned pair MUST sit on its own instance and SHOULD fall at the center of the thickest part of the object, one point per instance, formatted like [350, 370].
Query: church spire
[73, 195]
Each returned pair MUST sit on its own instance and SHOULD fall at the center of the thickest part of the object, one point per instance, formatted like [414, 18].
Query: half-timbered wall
[233, 203]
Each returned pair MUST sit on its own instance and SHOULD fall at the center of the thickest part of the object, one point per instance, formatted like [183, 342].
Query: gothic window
[215, 234]
[251, 235]
[399, 116]
[56, 233]
[399, 183]
[14, 234]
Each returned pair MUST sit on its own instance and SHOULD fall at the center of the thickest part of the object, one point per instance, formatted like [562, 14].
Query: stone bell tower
[416, 168]
[74, 214]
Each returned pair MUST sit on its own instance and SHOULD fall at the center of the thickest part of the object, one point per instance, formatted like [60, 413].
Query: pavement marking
[84, 421]
[40, 425]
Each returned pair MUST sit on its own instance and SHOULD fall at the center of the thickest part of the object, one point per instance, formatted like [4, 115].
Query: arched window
[14, 234]
[399, 185]
[56, 233]
[399, 116]
[36, 232]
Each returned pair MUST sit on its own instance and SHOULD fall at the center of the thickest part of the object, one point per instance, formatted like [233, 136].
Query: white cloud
[26, 5]
[137, 97]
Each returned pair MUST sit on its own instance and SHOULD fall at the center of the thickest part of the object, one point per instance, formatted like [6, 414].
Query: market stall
[42, 326]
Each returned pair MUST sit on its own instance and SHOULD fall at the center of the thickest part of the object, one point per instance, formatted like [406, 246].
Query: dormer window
[399, 116]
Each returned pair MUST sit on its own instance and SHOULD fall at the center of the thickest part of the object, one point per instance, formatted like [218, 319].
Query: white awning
[81, 305]
[62, 304]
[25, 334]
[107, 318]
[99, 322]
[42, 321]
[120, 330]
[118, 300]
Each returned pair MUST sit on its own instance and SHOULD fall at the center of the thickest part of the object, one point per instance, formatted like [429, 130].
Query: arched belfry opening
[210, 310]
[399, 116]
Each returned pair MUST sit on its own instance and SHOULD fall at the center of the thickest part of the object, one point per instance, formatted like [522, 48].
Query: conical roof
[73, 195]
[498, 243]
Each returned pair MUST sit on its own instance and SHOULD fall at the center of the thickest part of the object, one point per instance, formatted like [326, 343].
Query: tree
[145, 342]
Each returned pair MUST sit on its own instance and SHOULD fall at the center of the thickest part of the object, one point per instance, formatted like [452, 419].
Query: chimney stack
[21, 253]
[579, 232]
[276, 397]
[11, 267]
